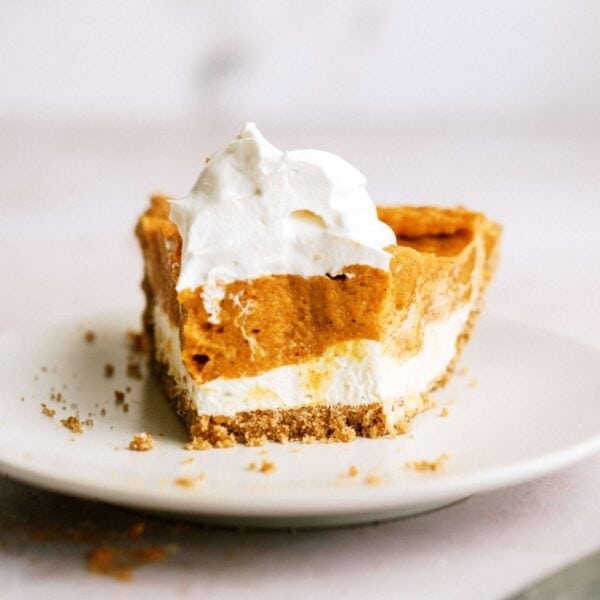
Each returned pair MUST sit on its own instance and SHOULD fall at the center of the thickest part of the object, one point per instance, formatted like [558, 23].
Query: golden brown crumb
[428, 465]
[141, 442]
[109, 370]
[352, 471]
[187, 461]
[89, 422]
[73, 424]
[462, 371]
[137, 341]
[119, 562]
[49, 412]
[444, 411]
[119, 397]
[189, 482]
[89, 336]
[373, 479]
[265, 466]
[472, 383]
[134, 370]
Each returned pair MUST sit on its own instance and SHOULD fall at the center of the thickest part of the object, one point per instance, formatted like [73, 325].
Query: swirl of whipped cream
[255, 210]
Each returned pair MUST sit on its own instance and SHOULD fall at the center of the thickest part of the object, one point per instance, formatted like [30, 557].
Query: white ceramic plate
[535, 408]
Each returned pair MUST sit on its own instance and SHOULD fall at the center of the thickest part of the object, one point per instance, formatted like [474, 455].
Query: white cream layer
[364, 373]
[256, 210]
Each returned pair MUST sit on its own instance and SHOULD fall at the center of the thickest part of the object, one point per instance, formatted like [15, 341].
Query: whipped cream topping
[256, 210]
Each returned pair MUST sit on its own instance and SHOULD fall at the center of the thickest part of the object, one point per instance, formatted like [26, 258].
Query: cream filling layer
[352, 373]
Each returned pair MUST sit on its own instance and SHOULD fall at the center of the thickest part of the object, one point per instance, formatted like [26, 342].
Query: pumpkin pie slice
[281, 305]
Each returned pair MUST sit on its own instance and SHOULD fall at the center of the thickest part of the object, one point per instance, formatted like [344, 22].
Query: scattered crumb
[126, 407]
[128, 389]
[373, 479]
[89, 336]
[49, 412]
[109, 370]
[141, 442]
[189, 482]
[265, 466]
[119, 397]
[352, 471]
[444, 412]
[22, 398]
[428, 465]
[44, 369]
[472, 383]
[89, 422]
[119, 562]
[73, 424]
[134, 370]
[137, 341]
[462, 371]
[187, 461]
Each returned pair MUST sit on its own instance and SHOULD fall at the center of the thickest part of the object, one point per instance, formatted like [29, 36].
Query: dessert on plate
[283, 305]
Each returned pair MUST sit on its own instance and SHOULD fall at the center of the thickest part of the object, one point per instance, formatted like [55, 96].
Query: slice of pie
[282, 305]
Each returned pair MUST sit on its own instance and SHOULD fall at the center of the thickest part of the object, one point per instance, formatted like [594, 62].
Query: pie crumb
[444, 411]
[472, 383]
[73, 424]
[119, 397]
[134, 370]
[141, 442]
[49, 412]
[189, 482]
[187, 461]
[265, 466]
[109, 370]
[428, 465]
[89, 336]
[373, 479]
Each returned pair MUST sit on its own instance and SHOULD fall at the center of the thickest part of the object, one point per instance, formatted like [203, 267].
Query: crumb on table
[444, 411]
[109, 370]
[119, 397]
[142, 442]
[118, 562]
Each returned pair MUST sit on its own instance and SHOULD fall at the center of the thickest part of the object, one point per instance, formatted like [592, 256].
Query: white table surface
[70, 196]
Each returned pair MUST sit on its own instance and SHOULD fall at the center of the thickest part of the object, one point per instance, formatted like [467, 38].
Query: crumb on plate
[428, 465]
[141, 442]
[73, 424]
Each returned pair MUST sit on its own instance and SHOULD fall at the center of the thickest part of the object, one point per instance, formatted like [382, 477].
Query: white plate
[535, 409]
